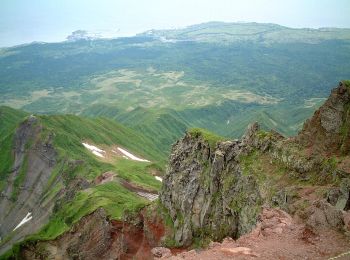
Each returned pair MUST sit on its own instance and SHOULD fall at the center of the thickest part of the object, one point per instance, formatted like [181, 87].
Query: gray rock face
[38, 160]
[331, 113]
[328, 130]
[206, 191]
[323, 215]
[340, 196]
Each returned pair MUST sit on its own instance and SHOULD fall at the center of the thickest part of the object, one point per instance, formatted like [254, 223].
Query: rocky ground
[276, 236]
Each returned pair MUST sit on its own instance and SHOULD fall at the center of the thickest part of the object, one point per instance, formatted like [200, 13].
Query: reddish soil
[137, 239]
[155, 229]
[277, 236]
[131, 238]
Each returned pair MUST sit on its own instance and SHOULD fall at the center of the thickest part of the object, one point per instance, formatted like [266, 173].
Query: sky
[24, 21]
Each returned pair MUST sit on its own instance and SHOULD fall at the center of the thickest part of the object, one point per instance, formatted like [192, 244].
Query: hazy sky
[23, 21]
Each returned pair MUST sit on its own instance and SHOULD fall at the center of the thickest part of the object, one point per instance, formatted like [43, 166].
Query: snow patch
[131, 156]
[95, 150]
[97, 154]
[158, 178]
[25, 220]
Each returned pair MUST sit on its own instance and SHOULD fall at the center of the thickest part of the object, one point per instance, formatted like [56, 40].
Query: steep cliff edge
[214, 189]
[206, 191]
[327, 131]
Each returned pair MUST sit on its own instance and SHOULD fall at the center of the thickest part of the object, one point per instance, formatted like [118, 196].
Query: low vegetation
[111, 196]
[9, 118]
[211, 138]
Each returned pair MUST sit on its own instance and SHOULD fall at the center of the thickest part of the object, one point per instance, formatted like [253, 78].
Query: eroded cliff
[23, 198]
[215, 191]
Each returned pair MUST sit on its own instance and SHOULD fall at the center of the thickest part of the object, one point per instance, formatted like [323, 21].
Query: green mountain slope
[206, 74]
[48, 172]
[70, 130]
[162, 126]
[9, 118]
[228, 118]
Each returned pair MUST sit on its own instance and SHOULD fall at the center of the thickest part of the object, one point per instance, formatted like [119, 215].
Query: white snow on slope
[97, 154]
[25, 220]
[131, 156]
[158, 178]
[125, 157]
[95, 150]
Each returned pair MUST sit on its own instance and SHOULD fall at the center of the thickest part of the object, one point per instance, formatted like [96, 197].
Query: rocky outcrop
[323, 215]
[327, 132]
[96, 236]
[91, 238]
[207, 193]
[213, 191]
[340, 196]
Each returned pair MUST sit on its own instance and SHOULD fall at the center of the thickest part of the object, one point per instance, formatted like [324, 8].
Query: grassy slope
[68, 131]
[9, 119]
[230, 119]
[163, 126]
[111, 196]
[71, 130]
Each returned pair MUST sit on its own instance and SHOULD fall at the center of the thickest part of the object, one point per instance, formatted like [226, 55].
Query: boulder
[322, 215]
[161, 252]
